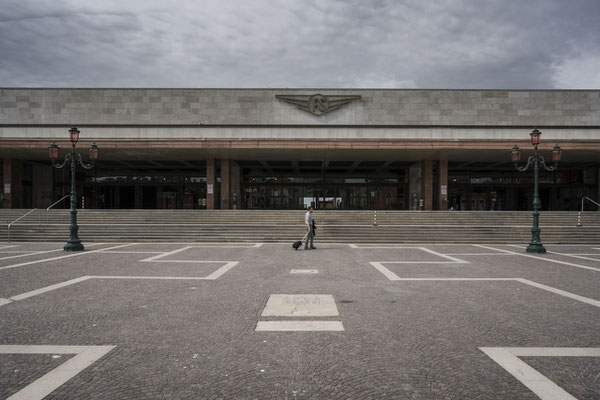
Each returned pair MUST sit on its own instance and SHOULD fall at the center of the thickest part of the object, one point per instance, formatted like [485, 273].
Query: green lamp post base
[535, 248]
[74, 245]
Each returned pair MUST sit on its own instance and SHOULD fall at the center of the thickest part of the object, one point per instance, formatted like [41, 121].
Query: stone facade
[424, 128]
[250, 107]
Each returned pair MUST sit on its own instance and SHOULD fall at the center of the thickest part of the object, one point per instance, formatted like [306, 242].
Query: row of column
[429, 185]
[211, 184]
[11, 185]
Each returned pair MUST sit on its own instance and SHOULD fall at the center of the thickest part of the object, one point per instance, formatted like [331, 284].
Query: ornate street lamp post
[73, 244]
[536, 160]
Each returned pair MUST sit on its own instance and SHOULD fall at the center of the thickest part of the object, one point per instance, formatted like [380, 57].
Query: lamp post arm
[525, 167]
[546, 167]
[68, 159]
[83, 163]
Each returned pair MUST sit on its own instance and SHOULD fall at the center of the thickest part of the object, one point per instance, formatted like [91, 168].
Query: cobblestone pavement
[189, 338]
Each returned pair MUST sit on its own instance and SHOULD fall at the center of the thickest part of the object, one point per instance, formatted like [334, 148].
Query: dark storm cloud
[259, 43]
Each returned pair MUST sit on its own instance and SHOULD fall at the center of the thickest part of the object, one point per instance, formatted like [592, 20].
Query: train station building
[356, 149]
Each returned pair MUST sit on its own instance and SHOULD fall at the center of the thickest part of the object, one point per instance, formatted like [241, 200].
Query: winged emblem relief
[317, 104]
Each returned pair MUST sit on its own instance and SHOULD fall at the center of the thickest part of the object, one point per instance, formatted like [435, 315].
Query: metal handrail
[58, 201]
[580, 213]
[587, 198]
[52, 205]
[23, 216]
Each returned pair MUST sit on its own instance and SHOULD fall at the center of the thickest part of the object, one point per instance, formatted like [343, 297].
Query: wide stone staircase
[287, 226]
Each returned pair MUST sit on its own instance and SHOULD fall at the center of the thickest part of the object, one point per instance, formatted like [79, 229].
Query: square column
[211, 183]
[11, 187]
[443, 184]
[225, 184]
[428, 185]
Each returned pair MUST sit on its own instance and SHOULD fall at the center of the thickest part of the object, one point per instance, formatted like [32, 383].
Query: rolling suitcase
[299, 242]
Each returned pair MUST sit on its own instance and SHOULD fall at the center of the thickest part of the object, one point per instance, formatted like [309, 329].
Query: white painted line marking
[60, 285]
[539, 258]
[40, 388]
[564, 293]
[165, 278]
[222, 270]
[150, 259]
[30, 254]
[479, 254]
[36, 292]
[362, 246]
[4, 301]
[160, 259]
[187, 261]
[17, 251]
[299, 326]
[458, 279]
[226, 246]
[304, 271]
[353, 246]
[82, 253]
[131, 252]
[456, 260]
[580, 256]
[393, 277]
[453, 260]
[7, 246]
[300, 305]
[386, 272]
[543, 387]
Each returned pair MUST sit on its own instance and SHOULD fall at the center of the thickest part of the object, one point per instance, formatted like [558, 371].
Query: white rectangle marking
[538, 258]
[49, 288]
[4, 301]
[453, 259]
[162, 255]
[300, 305]
[83, 253]
[386, 272]
[457, 279]
[304, 271]
[299, 326]
[60, 285]
[564, 293]
[131, 252]
[222, 270]
[30, 253]
[480, 254]
[393, 277]
[166, 278]
[40, 388]
[543, 387]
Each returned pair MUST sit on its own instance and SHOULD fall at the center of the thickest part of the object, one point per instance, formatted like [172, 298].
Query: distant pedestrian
[308, 221]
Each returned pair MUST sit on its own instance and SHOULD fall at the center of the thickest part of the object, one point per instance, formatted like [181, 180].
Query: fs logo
[317, 104]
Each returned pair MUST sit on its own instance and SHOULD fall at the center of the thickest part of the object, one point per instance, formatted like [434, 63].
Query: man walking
[309, 232]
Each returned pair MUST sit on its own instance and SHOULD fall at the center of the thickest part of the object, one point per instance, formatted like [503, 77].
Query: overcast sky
[532, 44]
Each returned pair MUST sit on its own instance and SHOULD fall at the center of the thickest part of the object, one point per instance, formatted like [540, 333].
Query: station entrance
[295, 185]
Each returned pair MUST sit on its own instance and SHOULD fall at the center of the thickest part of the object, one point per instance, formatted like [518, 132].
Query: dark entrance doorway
[127, 197]
[149, 197]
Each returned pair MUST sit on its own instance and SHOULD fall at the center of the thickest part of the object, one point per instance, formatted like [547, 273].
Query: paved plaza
[262, 321]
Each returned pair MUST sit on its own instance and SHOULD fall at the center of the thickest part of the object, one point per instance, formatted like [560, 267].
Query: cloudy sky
[301, 43]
